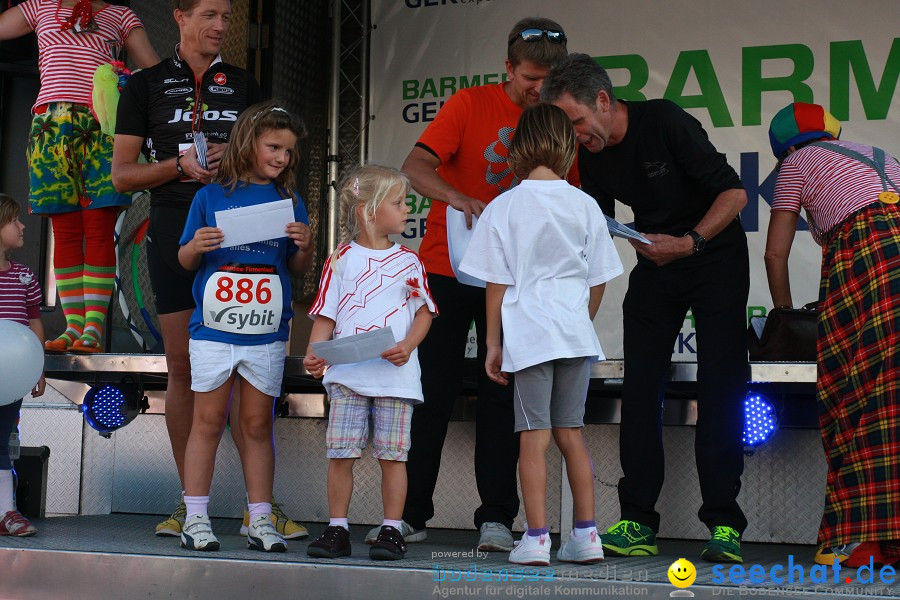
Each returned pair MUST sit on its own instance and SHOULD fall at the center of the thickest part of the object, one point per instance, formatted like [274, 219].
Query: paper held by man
[617, 229]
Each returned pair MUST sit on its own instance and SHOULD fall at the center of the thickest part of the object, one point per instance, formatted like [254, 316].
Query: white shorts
[213, 362]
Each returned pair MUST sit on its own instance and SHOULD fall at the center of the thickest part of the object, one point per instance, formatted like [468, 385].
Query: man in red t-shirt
[460, 160]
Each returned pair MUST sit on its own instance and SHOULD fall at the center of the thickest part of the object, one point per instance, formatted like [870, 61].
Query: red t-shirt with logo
[471, 136]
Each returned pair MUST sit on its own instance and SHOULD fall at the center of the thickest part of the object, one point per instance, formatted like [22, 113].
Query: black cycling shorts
[172, 283]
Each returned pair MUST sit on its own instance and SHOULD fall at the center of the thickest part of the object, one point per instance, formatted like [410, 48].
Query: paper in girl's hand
[202, 149]
[255, 223]
[356, 348]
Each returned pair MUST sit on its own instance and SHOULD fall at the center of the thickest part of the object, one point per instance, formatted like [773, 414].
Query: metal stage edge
[762, 372]
[116, 556]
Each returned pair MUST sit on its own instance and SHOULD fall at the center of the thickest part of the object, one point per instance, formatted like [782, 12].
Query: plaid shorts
[348, 425]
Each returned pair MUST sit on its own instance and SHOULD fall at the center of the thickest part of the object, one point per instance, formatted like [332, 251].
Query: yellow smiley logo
[682, 573]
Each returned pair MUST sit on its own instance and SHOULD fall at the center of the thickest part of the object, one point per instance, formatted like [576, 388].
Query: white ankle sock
[395, 524]
[579, 533]
[196, 505]
[7, 498]
[339, 523]
[258, 509]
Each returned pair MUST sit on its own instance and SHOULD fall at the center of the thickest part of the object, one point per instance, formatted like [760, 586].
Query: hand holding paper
[201, 147]
[617, 229]
[458, 238]
[255, 223]
[355, 348]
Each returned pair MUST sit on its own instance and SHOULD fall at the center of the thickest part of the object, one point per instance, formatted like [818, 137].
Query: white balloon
[21, 361]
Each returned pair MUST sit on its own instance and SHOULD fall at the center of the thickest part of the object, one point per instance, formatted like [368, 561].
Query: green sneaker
[724, 546]
[629, 538]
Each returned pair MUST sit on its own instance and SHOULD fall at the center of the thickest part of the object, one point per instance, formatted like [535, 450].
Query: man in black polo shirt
[657, 159]
[160, 111]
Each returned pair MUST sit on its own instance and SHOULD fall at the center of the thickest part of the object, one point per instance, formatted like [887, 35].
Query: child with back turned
[20, 301]
[369, 282]
[240, 325]
[545, 252]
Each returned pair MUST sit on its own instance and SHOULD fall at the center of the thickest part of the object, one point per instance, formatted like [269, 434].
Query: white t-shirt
[371, 289]
[549, 243]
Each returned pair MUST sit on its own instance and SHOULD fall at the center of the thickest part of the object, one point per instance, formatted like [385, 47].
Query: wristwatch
[699, 241]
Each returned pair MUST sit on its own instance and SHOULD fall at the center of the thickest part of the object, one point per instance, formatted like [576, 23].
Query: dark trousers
[441, 356]
[9, 413]
[714, 286]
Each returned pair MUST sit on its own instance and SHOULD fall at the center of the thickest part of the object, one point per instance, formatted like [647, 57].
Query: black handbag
[789, 334]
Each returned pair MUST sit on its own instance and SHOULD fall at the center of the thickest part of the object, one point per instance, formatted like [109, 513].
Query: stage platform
[117, 557]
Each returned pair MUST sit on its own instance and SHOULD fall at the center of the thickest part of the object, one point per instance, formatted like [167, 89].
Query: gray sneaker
[495, 537]
[409, 534]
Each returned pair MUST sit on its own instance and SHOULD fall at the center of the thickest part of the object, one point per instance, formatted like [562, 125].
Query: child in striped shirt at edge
[546, 254]
[370, 282]
[240, 325]
[20, 301]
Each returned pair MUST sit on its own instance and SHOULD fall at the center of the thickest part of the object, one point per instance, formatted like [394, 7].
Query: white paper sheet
[616, 229]
[458, 237]
[255, 223]
[355, 348]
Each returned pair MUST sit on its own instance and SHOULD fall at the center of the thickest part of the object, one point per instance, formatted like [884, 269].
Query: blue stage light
[760, 421]
[108, 407]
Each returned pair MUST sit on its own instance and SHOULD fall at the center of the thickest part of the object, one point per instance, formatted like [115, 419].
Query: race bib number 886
[243, 299]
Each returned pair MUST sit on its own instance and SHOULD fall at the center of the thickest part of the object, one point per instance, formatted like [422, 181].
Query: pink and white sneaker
[533, 551]
[13, 523]
[585, 550]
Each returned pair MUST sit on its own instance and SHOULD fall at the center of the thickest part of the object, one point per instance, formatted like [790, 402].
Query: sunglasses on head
[534, 35]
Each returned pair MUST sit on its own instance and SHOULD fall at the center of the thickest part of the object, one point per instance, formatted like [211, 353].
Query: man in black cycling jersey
[160, 111]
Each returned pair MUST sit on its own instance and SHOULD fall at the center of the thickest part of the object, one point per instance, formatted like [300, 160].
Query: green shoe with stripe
[724, 546]
[629, 538]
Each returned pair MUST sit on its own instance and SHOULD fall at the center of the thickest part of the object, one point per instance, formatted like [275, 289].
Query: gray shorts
[552, 394]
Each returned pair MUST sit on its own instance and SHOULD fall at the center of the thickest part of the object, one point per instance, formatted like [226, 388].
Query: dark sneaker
[333, 543]
[724, 546]
[410, 534]
[630, 538]
[389, 545]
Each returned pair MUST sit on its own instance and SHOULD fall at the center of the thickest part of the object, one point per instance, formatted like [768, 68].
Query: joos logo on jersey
[208, 115]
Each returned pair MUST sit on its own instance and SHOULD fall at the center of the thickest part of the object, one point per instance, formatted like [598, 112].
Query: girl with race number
[240, 325]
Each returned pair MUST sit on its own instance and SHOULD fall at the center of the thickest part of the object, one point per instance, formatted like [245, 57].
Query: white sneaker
[495, 537]
[262, 535]
[409, 534]
[197, 534]
[533, 551]
[584, 551]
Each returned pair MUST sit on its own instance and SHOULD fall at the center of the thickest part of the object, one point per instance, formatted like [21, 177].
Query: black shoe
[334, 543]
[389, 545]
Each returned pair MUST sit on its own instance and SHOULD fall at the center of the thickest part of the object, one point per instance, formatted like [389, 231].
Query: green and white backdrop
[730, 64]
